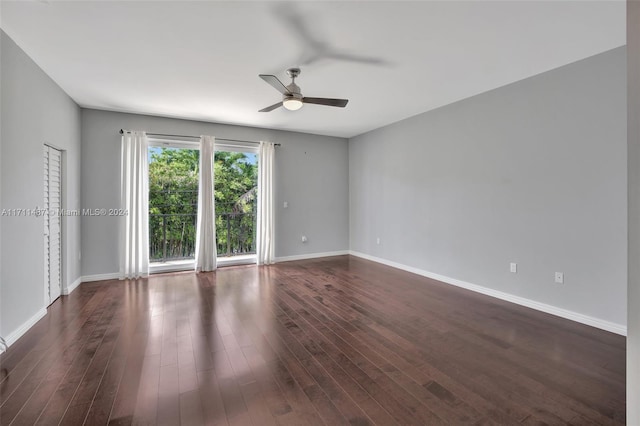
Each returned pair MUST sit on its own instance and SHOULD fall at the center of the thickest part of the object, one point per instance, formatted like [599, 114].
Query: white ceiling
[201, 60]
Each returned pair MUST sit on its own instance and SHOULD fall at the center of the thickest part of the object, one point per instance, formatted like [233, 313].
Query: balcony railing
[172, 236]
[235, 233]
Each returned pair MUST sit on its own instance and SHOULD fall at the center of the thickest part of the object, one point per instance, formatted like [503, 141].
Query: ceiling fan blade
[272, 107]
[277, 84]
[300, 25]
[314, 44]
[368, 60]
[341, 103]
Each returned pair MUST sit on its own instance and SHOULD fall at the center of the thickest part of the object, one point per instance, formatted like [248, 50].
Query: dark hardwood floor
[320, 342]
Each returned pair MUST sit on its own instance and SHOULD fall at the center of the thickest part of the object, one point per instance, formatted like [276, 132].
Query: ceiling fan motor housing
[293, 88]
[292, 94]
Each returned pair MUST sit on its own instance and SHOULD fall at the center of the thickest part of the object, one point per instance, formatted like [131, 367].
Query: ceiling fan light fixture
[292, 104]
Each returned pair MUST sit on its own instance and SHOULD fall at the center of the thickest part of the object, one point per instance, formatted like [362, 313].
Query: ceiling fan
[292, 99]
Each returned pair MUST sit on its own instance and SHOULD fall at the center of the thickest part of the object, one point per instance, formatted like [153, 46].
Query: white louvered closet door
[52, 228]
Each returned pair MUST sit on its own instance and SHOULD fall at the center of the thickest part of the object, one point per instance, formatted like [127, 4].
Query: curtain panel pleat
[134, 199]
[206, 226]
[265, 243]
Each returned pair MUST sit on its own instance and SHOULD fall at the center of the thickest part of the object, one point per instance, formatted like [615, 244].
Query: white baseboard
[67, 291]
[16, 334]
[100, 277]
[550, 309]
[311, 256]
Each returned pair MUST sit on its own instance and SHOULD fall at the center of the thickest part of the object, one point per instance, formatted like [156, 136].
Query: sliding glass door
[173, 204]
[236, 187]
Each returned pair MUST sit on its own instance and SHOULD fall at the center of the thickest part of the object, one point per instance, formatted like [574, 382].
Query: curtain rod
[198, 137]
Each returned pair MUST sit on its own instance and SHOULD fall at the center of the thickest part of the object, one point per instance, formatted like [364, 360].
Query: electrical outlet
[304, 238]
[559, 277]
[513, 267]
[286, 205]
[378, 241]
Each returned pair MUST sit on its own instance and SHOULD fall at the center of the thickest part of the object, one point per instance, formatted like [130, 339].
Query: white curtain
[134, 198]
[264, 246]
[206, 226]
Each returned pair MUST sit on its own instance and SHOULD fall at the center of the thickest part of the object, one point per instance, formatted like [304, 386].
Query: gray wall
[34, 111]
[533, 173]
[633, 300]
[311, 173]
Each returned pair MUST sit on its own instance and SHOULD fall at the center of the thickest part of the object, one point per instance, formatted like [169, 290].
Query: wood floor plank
[168, 412]
[102, 404]
[287, 365]
[213, 410]
[146, 408]
[329, 341]
[191, 413]
[282, 393]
